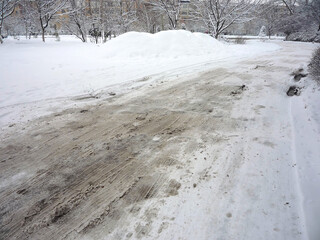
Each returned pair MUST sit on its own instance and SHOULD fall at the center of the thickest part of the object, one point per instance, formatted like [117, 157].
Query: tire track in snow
[295, 163]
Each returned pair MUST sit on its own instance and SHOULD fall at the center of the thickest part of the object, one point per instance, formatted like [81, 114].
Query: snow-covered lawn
[31, 70]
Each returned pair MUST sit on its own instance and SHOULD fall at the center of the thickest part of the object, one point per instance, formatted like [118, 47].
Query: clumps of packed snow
[166, 44]
[33, 71]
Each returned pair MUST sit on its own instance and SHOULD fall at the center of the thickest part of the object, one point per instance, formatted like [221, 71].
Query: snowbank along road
[204, 156]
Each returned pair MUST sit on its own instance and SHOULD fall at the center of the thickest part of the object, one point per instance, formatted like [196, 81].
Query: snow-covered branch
[218, 15]
[7, 8]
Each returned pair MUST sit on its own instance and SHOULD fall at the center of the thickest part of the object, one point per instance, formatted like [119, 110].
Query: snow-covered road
[185, 156]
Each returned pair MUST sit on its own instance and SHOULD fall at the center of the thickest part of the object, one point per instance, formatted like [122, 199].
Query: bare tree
[27, 18]
[45, 10]
[100, 18]
[170, 8]
[7, 8]
[117, 16]
[270, 14]
[218, 15]
[147, 17]
[126, 14]
[78, 19]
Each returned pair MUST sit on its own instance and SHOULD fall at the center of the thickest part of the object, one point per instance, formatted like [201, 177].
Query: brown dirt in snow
[80, 168]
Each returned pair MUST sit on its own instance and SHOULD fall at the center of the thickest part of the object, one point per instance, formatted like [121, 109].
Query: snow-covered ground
[175, 155]
[305, 120]
[31, 71]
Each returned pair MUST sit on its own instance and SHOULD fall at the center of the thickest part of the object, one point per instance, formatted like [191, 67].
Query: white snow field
[178, 153]
[31, 70]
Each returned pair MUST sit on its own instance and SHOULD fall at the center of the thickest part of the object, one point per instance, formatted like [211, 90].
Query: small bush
[314, 66]
[239, 40]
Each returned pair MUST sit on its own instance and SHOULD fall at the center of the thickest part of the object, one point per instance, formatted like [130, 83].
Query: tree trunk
[102, 35]
[43, 38]
[43, 29]
[153, 28]
[1, 41]
[172, 23]
[84, 37]
[269, 33]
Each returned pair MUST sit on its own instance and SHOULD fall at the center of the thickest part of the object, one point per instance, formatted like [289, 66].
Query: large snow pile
[31, 71]
[167, 44]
